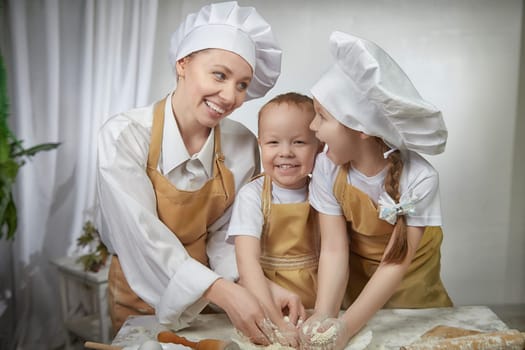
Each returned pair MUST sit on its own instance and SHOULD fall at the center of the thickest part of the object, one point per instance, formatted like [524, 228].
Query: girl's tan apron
[290, 245]
[186, 213]
[421, 287]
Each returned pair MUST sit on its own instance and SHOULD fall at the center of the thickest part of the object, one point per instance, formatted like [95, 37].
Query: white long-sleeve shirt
[156, 265]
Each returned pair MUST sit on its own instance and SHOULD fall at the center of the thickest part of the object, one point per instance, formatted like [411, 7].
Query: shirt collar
[172, 140]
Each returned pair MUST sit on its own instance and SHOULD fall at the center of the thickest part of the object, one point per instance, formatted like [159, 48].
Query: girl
[275, 229]
[168, 173]
[377, 197]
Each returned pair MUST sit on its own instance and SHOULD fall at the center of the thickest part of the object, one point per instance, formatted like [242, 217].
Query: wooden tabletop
[390, 328]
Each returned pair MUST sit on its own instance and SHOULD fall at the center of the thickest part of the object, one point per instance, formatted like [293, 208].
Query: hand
[324, 333]
[283, 332]
[243, 310]
[288, 301]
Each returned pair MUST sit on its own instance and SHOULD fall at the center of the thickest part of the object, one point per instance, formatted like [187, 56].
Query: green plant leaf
[29, 152]
[12, 155]
[9, 220]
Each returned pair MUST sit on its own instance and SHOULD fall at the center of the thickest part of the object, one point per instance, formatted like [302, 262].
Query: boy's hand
[289, 301]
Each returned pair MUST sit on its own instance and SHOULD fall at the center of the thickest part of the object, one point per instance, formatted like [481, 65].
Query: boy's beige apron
[186, 213]
[290, 245]
[421, 287]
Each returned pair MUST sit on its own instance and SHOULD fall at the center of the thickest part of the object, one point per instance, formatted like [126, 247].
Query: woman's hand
[243, 309]
[324, 333]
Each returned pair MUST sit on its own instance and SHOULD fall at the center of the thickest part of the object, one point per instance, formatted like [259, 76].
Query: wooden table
[390, 328]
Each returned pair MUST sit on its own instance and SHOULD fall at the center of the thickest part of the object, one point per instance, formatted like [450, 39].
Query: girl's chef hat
[367, 91]
[237, 29]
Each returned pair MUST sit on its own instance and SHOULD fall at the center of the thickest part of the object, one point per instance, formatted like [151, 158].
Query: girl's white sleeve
[321, 193]
[421, 182]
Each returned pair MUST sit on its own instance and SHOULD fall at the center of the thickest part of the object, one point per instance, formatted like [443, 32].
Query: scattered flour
[245, 344]
[358, 342]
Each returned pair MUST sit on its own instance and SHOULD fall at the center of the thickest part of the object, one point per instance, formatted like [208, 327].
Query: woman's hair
[293, 99]
[398, 251]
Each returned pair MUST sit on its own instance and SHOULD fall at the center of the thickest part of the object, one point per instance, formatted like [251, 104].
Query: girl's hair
[291, 98]
[399, 249]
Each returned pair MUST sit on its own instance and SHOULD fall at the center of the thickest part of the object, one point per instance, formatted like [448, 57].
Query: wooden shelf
[95, 326]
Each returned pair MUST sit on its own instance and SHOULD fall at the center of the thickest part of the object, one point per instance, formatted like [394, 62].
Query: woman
[168, 174]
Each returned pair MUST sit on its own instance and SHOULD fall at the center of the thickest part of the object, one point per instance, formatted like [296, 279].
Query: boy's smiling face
[288, 146]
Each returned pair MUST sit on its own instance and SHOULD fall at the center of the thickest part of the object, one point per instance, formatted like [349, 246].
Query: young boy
[275, 229]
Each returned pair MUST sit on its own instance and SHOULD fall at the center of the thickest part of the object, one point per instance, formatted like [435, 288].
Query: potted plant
[12, 156]
[98, 254]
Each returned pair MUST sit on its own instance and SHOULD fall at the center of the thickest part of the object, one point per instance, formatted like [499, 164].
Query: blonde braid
[398, 251]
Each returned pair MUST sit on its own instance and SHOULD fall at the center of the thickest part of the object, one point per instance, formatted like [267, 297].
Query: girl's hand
[324, 333]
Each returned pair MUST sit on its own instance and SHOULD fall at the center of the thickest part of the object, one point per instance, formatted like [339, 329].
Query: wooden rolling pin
[100, 346]
[508, 340]
[205, 344]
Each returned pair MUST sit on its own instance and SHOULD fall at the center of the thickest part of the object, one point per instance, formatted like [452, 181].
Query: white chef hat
[367, 91]
[237, 29]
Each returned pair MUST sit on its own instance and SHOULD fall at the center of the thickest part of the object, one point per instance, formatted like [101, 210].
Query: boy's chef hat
[237, 29]
[367, 91]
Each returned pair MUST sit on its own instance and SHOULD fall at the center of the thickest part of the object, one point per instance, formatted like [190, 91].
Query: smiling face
[288, 146]
[212, 84]
[343, 143]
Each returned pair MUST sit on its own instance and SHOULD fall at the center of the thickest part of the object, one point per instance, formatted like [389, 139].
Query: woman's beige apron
[421, 287]
[290, 245]
[186, 213]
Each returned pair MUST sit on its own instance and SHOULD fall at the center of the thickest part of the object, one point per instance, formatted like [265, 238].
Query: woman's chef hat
[237, 29]
[367, 91]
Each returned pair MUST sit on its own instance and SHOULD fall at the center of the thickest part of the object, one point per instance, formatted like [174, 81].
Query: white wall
[462, 55]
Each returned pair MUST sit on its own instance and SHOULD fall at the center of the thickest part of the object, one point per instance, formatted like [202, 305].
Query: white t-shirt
[419, 180]
[156, 264]
[247, 217]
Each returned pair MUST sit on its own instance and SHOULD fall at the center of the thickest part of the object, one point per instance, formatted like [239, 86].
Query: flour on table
[245, 344]
[361, 340]
[358, 342]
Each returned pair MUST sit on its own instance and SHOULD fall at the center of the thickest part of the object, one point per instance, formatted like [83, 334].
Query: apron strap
[156, 133]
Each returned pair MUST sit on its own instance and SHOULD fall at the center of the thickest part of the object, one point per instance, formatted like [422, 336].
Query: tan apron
[290, 245]
[186, 213]
[421, 286]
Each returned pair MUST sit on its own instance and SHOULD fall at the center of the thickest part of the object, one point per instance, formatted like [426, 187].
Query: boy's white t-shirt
[247, 217]
[419, 180]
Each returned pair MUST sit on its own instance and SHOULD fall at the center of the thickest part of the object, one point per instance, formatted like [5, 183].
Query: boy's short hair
[291, 98]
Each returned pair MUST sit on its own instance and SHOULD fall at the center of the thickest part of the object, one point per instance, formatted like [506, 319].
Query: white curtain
[71, 64]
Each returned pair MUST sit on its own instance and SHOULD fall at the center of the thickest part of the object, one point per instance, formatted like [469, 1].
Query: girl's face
[214, 84]
[341, 141]
[288, 146]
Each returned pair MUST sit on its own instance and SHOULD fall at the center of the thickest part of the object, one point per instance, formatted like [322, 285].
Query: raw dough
[449, 338]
